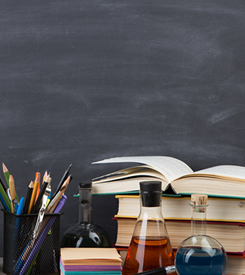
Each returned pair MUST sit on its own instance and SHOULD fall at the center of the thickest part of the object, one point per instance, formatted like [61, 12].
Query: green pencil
[7, 175]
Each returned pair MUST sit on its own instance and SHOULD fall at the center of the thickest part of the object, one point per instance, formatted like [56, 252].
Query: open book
[176, 177]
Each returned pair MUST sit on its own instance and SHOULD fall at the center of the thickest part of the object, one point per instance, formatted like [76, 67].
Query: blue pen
[20, 206]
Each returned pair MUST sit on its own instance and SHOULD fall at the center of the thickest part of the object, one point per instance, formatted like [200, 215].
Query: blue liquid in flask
[207, 259]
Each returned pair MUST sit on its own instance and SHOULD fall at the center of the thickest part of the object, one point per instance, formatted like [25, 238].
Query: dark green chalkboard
[81, 81]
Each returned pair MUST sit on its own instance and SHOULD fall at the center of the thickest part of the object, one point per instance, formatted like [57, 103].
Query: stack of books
[90, 261]
[225, 186]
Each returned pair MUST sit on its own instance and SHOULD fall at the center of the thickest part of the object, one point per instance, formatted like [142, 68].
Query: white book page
[232, 171]
[136, 171]
[170, 167]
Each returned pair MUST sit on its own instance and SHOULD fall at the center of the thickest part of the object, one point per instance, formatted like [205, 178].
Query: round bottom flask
[200, 254]
[85, 233]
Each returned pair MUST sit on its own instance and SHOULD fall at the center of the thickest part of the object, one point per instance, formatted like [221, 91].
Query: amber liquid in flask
[150, 247]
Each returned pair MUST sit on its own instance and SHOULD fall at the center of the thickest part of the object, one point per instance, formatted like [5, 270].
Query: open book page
[136, 171]
[232, 171]
[130, 184]
[170, 167]
[221, 171]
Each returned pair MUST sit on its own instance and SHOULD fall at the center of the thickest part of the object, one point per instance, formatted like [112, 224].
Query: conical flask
[150, 246]
[85, 233]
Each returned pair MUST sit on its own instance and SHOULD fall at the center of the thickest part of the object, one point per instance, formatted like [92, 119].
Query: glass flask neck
[85, 205]
[151, 213]
[198, 220]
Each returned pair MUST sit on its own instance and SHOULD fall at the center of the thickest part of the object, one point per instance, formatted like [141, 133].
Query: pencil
[7, 175]
[64, 177]
[40, 196]
[28, 197]
[53, 203]
[3, 184]
[12, 191]
[45, 176]
[37, 178]
[33, 195]
[4, 198]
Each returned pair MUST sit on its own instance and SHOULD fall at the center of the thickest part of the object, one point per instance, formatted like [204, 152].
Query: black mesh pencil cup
[19, 243]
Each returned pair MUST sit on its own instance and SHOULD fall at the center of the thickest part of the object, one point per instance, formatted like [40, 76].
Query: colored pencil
[7, 175]
[33, 195]
[37, 178]
[3, 184]
[28, 197]
[4, 197]
[12, 191]
[45, 176]
[64, 177]
[53, 203]
[40, 196]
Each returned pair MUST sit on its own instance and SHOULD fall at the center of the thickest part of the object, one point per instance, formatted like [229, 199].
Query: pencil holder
[23, 254]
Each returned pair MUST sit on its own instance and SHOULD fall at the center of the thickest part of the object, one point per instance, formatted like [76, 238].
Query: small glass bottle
[150, 246]
[85, 233]
[200, 254]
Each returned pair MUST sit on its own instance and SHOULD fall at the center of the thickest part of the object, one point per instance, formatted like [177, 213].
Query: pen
[64, 177]
[20, 206]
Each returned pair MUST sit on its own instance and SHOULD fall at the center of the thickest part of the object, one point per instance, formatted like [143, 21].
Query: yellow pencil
[12, 191]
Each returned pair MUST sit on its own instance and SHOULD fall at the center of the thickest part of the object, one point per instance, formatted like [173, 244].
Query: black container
[18, 230]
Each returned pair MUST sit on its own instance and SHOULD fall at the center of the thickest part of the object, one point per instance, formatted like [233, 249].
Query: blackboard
[81, 81]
